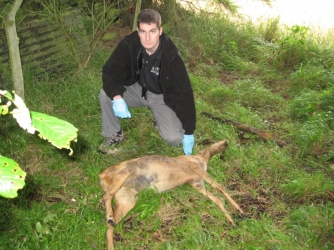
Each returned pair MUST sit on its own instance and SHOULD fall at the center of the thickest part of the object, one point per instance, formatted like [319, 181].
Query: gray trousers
[169, 125]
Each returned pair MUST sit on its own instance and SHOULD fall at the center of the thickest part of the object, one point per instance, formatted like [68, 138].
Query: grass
[286, 192]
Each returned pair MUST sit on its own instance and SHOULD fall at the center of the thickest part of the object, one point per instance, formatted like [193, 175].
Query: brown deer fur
[124, 180]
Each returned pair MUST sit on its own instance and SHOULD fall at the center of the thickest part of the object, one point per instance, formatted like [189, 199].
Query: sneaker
[108, 146]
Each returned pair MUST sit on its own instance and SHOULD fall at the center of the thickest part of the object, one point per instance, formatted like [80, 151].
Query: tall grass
[283, 84]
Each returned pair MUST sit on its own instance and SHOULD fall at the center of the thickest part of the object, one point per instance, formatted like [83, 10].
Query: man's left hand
[188, 144]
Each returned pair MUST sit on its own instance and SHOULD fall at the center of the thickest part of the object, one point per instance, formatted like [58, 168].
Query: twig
[243, 127]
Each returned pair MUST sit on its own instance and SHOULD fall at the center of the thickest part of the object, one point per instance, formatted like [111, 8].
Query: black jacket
[123, 66]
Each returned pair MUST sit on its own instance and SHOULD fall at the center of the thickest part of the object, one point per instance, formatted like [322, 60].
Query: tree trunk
[13, 48]
[138, 6]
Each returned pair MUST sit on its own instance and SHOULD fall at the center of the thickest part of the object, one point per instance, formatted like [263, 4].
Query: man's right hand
[120, 108]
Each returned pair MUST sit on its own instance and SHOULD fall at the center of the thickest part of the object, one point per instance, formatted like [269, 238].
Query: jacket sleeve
[183, 96]
[115, 71]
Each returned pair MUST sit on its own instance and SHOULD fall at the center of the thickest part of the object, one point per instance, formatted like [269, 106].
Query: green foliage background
[277, 79]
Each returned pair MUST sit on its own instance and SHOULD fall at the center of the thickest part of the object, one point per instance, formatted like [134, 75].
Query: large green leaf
[58, 132]
[11, 177]
[4, 106]
[3, 109]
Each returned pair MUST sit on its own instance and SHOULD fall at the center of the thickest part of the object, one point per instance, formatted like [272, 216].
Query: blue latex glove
[120, 108]
[188, 144]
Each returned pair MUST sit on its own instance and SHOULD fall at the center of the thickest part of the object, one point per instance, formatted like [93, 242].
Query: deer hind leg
[107, 197]
[110, 219]
[125, 201]
[199, 185]
[111, 182]
[110, 238]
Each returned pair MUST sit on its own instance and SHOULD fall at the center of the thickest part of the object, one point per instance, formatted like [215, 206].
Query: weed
[250, 93]
[313, 136]
[305, 186]
[312, 226]
[270, 29]
[311, 76]
[271, 236]
[294, 48]
[314, 108]
[304, 105]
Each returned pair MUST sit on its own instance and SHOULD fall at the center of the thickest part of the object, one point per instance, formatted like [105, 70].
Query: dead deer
[126, 179]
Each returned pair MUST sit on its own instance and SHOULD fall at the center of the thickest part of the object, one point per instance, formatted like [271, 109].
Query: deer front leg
[228, 197]
[199, 185]
[215, 185]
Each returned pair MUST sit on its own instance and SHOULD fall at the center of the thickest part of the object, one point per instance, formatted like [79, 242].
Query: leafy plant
[293, 48]
[98, 17]
[296, 36]
[11, 177]
[47, 226]
[58, 132]
[147, 204]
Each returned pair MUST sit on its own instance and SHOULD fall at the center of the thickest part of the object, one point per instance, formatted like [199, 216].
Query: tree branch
[243, 127]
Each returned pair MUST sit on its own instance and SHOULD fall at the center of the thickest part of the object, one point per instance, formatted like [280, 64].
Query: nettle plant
[58, 132]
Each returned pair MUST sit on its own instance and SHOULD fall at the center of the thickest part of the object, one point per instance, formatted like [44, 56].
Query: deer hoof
[111, 222]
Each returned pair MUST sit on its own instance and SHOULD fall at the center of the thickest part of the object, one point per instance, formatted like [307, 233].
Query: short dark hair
[149, 16]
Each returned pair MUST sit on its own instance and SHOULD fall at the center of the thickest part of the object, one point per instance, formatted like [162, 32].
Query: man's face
[149, 36]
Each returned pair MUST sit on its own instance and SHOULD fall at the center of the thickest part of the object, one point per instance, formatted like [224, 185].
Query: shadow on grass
[10, 208]
[80, 148]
